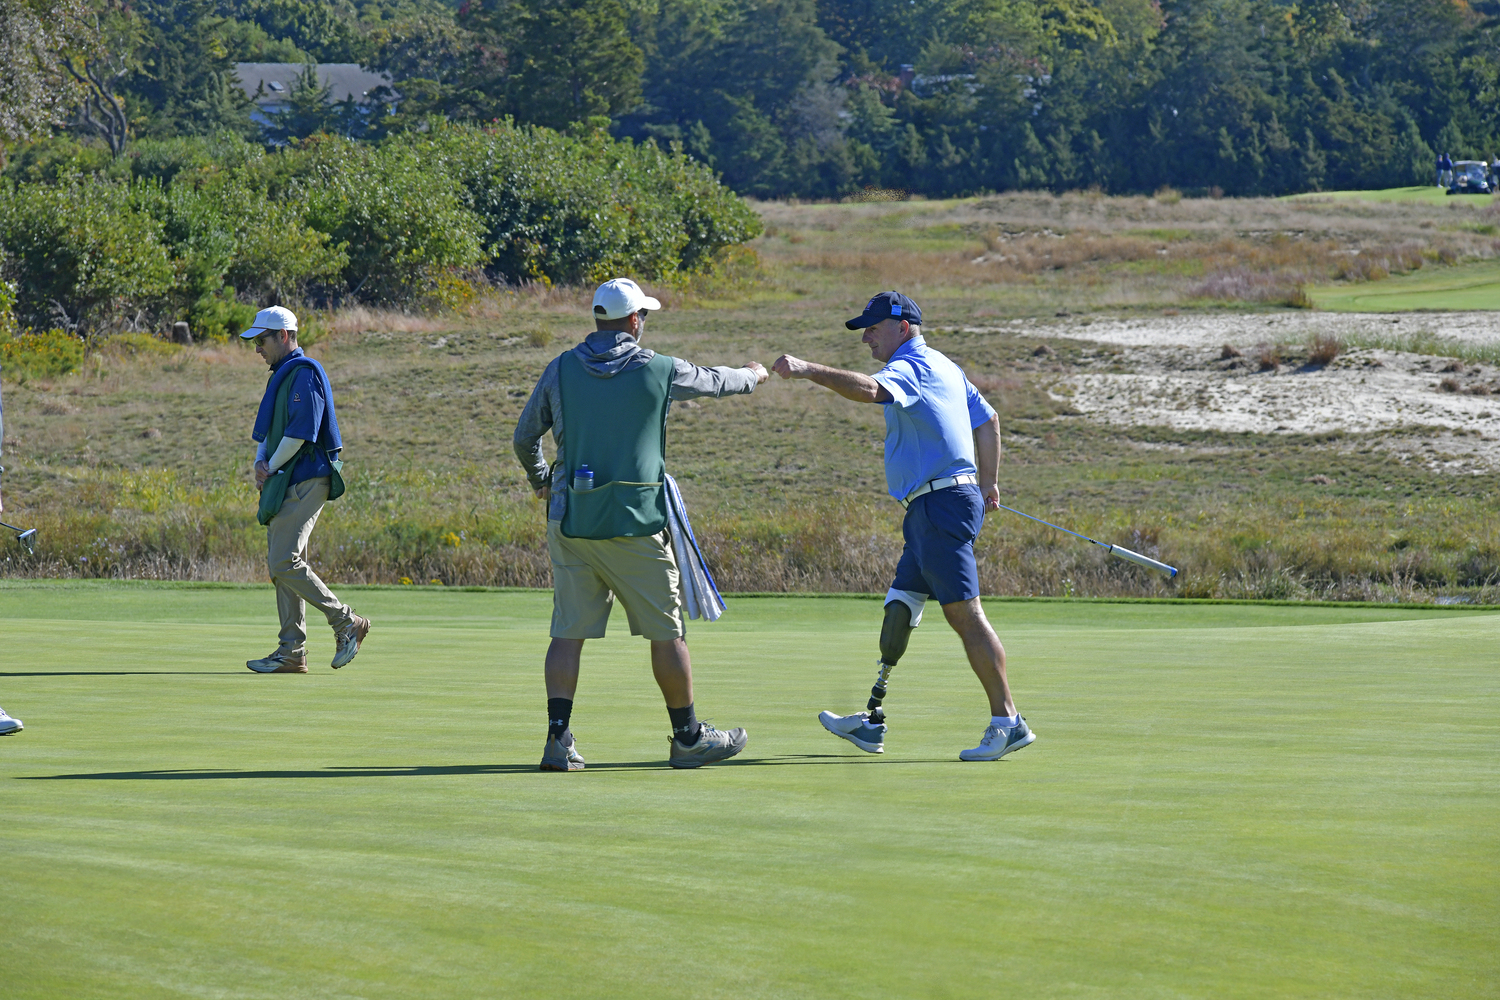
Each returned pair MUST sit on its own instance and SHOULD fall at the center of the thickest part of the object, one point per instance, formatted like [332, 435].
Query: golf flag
[700, 595]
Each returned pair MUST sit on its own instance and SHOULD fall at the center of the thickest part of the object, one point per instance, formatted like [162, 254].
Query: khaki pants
[588, 574]
[286, 557]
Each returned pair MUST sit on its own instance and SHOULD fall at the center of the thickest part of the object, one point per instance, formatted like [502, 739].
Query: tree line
[821, 98]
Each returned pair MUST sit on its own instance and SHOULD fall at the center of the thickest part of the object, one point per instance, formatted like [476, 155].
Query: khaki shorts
[588, 574]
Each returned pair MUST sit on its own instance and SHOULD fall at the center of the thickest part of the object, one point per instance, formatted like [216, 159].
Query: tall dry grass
[1120, 251]
[158, 525]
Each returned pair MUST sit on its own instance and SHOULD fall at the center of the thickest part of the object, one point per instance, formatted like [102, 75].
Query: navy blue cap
[887, 305]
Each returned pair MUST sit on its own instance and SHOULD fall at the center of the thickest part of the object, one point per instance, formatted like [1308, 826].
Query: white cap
[274, 318]
[619, 297]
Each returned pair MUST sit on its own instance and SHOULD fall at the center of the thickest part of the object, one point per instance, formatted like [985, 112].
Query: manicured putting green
[1465, 287]
[1420, 192]
[1224, 801]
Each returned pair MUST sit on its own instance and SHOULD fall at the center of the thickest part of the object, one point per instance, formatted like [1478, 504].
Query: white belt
[938, 484]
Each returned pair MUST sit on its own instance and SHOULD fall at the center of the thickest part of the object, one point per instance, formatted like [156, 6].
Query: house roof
[344, 80]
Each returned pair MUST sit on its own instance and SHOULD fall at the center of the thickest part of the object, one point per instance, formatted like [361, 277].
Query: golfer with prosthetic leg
[297, 471]
[942, 460]
[606, 403]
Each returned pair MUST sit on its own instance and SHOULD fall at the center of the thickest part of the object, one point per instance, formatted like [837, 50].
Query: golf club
[24, 537]
[1114, 550]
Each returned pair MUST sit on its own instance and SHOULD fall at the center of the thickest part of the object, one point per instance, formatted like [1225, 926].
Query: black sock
[685, 727]
[559, 711]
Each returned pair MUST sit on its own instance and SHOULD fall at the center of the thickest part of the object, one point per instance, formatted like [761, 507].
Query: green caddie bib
[618, 428]
[273, 494]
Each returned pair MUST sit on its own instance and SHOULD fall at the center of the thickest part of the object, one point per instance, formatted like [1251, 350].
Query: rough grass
[1027, 252]
[786, 486]
[137, 465]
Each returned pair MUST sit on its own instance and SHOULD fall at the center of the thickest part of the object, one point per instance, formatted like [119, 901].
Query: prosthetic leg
[895, 632]
[866, 729]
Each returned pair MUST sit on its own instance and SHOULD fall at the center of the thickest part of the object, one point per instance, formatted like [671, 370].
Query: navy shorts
[938, 560]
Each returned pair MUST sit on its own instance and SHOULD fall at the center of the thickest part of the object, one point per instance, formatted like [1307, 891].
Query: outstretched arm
[850, 385]
[689, 381]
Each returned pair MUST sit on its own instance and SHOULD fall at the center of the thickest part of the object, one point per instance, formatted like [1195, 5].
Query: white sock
[1006, 721]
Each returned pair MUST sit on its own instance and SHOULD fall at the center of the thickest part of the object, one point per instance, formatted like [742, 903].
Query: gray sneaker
[280, 663]
[713, 745]
[997, 742]
[349, 637]
[561, 754]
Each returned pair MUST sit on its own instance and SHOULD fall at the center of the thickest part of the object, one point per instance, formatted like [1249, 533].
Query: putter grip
[1141, 560]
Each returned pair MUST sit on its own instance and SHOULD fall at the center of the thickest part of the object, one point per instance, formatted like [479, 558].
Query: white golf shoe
[998, 742]
[857, 729]
[9, 726]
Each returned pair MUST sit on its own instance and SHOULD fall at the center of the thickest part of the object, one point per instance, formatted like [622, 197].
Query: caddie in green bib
[617, 528]
[298, 470]
[618, 428]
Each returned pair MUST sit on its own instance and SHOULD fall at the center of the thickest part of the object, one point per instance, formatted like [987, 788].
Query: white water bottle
[583, 478]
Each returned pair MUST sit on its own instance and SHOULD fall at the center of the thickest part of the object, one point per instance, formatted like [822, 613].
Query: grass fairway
[1462, 288]
[1224, 801]
[1418, 193]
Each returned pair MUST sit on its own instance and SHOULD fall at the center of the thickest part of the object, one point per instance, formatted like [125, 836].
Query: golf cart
[1470, 177]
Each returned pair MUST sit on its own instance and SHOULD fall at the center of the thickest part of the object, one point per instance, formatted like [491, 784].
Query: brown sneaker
[349, 637]
[280, 663]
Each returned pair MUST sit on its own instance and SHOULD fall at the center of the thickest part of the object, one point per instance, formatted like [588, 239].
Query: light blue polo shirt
[930, 420]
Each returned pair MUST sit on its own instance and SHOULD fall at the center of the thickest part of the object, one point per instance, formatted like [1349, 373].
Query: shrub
[167, 159]
[39, 355]
[400, 215]
[7, 305]
[137, 345]
[568, 209]
[218, 317]
[1323, 349]
[82, 252]
[230, 229]
[450, 292]
[1267, 357]
[193, 227]
[54, 160]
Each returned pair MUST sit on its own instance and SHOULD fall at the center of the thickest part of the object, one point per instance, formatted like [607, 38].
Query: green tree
[565, 60]
[309, 111]
[327, 31]
[35, 93]
[185, 82]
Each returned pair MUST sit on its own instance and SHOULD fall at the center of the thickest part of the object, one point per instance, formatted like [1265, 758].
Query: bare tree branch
[108, 57]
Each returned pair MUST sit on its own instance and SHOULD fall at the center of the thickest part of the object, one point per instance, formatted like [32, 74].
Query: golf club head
[28, 539]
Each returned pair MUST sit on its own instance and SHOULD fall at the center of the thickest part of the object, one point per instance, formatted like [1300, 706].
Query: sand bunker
[1426, 407]
[1246, 329]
